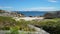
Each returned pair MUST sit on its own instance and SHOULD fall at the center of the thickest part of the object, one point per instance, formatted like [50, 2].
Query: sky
[30, 5]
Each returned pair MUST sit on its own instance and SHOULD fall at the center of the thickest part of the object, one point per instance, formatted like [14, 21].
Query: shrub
[14, 30]
[52, 26]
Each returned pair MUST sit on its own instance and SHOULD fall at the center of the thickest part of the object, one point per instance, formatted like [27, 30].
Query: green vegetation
[14, 30]
[50, 25]
[7, 22]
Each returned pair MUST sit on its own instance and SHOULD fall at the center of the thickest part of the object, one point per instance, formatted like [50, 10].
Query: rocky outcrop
[10, 14]
[55, 14]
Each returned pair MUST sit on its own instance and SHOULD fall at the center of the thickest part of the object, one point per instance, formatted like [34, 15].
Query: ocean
[33, 13]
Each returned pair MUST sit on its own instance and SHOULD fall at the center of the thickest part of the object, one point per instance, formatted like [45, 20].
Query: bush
[52, 26]
[7, 22]
[14, 30]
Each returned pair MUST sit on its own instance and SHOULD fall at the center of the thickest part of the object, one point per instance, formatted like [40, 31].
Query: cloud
[6, 8]
[52, 0]
[2, 7]
[39, 9]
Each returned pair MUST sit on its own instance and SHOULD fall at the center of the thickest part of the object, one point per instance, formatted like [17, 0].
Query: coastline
[28, 18]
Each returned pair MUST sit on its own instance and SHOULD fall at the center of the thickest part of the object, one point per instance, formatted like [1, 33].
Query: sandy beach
[28, 18]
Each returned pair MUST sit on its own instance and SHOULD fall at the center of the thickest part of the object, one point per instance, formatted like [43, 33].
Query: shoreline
[28, 18]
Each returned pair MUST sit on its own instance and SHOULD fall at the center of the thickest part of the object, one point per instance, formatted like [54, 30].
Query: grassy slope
[7, 22]
[50, 25]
